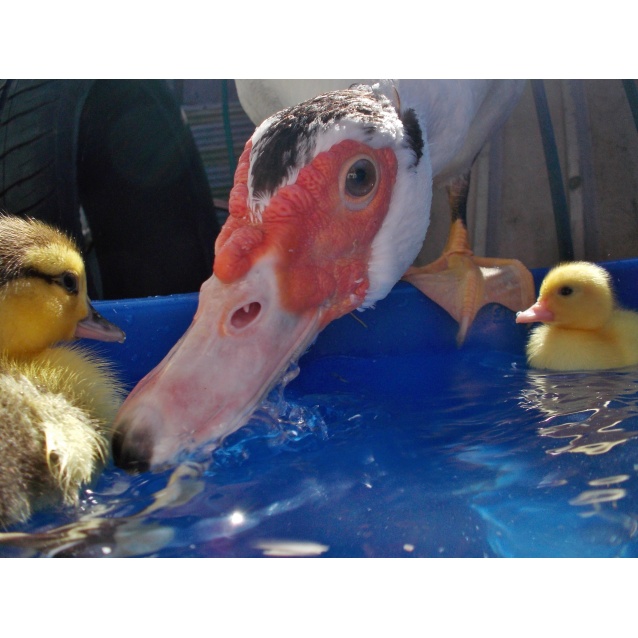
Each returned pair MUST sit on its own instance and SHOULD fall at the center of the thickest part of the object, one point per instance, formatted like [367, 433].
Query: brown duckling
[57, 400]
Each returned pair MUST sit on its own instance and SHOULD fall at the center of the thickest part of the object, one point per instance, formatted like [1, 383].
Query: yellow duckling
[583, 328]
[56, 401]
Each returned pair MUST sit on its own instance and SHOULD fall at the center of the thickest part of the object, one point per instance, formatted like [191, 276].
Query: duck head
[574, 295]
[329, 207]
[43, 292]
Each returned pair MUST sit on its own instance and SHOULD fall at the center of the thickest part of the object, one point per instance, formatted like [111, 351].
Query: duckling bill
[583, 328]
[57, 400]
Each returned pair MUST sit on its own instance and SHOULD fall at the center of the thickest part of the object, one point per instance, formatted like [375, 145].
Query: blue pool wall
[404, 322]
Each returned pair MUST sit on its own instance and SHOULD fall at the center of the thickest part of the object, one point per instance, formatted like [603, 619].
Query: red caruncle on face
[319, 229]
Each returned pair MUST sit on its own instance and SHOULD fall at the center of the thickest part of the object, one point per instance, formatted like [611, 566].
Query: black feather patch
[413, 132]
[289, 141]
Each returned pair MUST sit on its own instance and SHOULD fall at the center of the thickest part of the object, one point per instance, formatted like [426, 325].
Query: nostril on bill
[245, 315]
[131, 455]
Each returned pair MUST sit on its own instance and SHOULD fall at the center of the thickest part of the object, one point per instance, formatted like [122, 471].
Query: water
[453, 454]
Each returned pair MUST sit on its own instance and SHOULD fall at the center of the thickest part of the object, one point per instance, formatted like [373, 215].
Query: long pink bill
[238, 346]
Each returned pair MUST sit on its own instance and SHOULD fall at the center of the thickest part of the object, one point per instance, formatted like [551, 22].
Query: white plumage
[330, 207]
[457, 116]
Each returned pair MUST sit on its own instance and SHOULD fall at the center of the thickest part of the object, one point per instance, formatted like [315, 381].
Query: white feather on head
[401, 235]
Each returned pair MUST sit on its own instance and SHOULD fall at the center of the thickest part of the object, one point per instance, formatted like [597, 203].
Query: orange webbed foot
[462, 283]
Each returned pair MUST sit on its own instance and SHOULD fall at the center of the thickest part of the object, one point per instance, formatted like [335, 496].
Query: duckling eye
[361, 178]
[69, 281]
[565, 291]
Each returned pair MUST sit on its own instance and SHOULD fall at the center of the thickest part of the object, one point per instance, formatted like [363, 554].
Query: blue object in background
[390, 442]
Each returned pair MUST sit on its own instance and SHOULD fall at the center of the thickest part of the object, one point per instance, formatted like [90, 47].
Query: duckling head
[575, 295]
[43, 291]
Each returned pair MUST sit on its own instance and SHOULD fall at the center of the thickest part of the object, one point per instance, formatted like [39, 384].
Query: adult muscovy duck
[329, 208]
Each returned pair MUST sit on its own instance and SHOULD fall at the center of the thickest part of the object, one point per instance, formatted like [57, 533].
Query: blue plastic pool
[391, 442]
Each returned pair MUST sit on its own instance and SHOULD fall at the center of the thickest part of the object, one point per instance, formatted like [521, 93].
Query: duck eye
[361, 178]
[69, 281]
[565, 291]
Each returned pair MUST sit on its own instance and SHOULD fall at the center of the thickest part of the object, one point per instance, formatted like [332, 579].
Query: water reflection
[95, 533]
[102, 533]
[594, 410]
[591, 497]
[433, 459]
[151, 513]
[575, 493]
[288, 548]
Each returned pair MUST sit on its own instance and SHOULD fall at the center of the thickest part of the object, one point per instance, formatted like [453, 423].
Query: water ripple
[594, 410]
